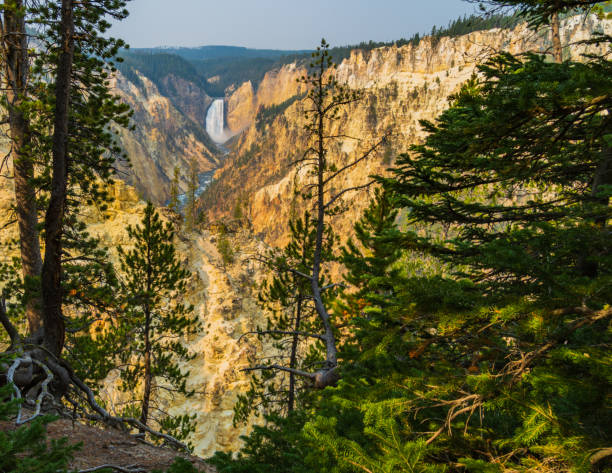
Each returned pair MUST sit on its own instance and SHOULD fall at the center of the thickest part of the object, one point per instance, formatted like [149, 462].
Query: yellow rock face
[224, 298]
[163, 136]
[402, 85]
[276, 87]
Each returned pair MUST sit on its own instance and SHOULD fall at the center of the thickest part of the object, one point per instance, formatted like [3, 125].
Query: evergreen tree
[325, 99]
[191, 209]
[496, 359]
[154, 320]
[292, 325]
[174, 191]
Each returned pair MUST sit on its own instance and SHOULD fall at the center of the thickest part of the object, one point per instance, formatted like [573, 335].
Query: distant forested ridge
[216, 68]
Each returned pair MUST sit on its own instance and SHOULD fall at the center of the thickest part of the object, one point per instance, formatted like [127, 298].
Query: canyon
[401, 86]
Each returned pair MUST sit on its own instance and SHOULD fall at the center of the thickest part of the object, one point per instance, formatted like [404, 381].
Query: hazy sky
[281, 24]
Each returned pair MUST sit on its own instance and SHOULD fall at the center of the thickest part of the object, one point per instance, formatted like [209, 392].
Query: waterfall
[215, 122]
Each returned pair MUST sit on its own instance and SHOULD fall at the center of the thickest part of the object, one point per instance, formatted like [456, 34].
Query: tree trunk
[146, 397]
[293, 359]
[15, 46]
[54, 328]
[556, 38]
[331, 356]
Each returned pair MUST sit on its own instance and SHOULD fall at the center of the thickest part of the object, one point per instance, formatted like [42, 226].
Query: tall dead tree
[326, 99]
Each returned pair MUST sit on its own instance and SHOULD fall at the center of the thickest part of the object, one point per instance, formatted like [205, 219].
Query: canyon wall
[401, 86]
[168, 131]
[277, 86]
[225, 300]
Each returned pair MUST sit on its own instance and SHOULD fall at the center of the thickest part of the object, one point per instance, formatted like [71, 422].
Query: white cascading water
[215, 122]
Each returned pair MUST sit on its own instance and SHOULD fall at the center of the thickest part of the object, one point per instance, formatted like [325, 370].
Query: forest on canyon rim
[464, 325]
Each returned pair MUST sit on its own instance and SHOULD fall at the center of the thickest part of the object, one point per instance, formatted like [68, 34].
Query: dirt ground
[109, 446]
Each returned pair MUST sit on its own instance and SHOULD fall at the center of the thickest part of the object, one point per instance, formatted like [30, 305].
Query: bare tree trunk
[331, 354]
[16, 65]
[556, 38]
[54, 326]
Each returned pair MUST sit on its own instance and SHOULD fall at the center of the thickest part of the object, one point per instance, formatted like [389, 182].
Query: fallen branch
[106, 417]
[120, 469]
[55, 366]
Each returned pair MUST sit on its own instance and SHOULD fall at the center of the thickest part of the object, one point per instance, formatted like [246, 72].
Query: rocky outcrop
[189, 98]
[401, 85]
[163, 136]
[277, 86]
[241, 107]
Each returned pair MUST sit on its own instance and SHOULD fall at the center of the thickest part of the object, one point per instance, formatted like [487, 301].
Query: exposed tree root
[59, 380]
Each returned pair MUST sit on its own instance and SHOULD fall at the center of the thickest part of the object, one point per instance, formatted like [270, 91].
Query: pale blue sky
[281, 24]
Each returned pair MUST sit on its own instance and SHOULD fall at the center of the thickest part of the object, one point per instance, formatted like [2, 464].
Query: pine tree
[54, 122]
[174, 190]
[494, 359]
[324, 101]
[155, 318]
[191, 209]
[292, 325]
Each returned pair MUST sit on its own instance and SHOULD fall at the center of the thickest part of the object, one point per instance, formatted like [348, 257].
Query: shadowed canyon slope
[168, 131]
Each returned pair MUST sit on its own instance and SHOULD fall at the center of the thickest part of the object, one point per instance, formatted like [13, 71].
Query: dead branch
[600, 455]
[344, 191]
[516, 368]
[361, 158]
[283, 332]
[120, 469]
[297, 372]
[473, 401]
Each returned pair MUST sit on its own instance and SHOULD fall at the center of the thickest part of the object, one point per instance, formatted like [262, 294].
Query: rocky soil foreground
[111, 447]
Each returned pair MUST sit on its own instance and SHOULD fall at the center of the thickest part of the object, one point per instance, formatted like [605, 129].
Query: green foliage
[157, 66]
[460, 26]
[26, 449]
[191, 205]
[267, 115]
[174, 203]
[477, 336]
[286, 297]
[224, 247]
[278, 446]
[154, 320]
[230, 72]
[88, 279]
[181, 465]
